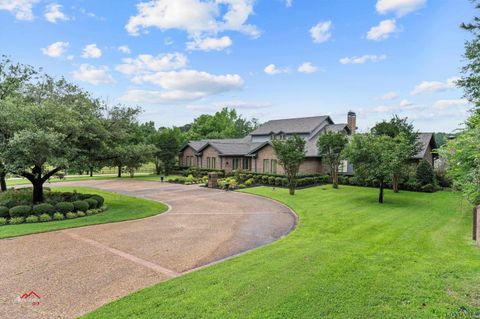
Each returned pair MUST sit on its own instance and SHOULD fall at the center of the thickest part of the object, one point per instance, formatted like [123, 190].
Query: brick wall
[309, 166]
[210, 152]
[188, 152]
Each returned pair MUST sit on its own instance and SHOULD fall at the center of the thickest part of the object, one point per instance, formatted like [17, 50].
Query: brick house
[255, 152]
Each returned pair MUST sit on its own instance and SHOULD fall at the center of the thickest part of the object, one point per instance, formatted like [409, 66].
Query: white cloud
[209, 44]
[402, 106]
[56, 50]
[91, 51]
[307, 67]
[93, 75]
[239, 105]
[362, 59]
[321, 31]
[53, 13]
[196, 17]
[145, 63]
[444, 104]
[272, 69]
[389, 96]
[435, 86]
[383, 30]
[184, 85]
[124, 49]
[288, 3]
[22, 9]
[405, 103]
[399, 7]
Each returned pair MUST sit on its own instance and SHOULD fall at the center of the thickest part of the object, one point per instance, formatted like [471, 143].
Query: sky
[269, 59]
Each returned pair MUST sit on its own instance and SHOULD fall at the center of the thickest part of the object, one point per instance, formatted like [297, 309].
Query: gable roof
[301, 125]
[425, 140]
[335, 128]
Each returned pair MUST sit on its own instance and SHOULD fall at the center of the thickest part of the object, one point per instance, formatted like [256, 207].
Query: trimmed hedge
[41, 209]
[92, 204]
[20, 211]
[64, 207]
[80, 205]
[4, 211]
[100, 200]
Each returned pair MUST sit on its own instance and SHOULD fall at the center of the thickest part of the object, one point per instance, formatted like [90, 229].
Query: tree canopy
[330, 147]
[290, 154]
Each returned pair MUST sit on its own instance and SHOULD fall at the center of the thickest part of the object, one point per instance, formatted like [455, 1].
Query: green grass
[120, 208]
[143, 177]
[349, 257]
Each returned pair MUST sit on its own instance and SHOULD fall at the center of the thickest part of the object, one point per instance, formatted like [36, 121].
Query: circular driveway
[80, 269]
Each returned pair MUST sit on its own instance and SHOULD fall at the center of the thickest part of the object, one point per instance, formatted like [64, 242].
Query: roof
[335, 128]
[301, 125]
[425, 140]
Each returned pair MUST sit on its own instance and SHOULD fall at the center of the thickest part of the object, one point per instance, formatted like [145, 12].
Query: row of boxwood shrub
[45, 217]
[408, 185]
[189, 180]
[244, 179]
[17, 203]
[196, 171]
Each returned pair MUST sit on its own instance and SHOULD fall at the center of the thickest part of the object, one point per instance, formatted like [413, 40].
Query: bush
[92, 203]
[41, 209]
[81, 214]
[89, 212]
[16, 220]
[45, 218]
[429, 188]
[20, 211]
[4, 211]
[64, 207]
[100, 200]
[32, 219]
[3, 221]
[249, 182]
[425, 174]
[81, 205]
[71, 215]
[58, 216]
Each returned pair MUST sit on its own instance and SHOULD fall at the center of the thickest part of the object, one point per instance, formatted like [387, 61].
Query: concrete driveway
[78, 270]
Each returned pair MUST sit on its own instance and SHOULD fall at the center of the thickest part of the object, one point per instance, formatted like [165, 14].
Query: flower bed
[16, 206]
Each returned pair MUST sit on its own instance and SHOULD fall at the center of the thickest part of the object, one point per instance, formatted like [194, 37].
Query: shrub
[92, 203]
[3, 221]
[16, 220]
[249, 182]
[89, 212]
[100, 200]
[428, 188]
[81, 214]
[264, 179]
[425, 174]
[64, 207]
[81, 205]
[271, 180]
[4, 211]
[45, 218]
[20, 211]
[32, 219]
[71, 215]
[41, 209]
[58, 216]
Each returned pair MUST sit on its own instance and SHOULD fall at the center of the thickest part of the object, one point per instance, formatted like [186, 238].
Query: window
[190, 160]
[211, 162]
[235, 164]
[266, 165]
[246, 164]
[274, 166]
[214, 164]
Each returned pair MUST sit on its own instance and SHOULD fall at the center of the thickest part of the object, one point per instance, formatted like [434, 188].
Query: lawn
[120, 208]
[143, 177]
[349, 257]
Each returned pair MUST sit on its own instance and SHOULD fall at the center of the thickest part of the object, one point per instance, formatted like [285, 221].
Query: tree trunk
[3, 183]
[395, 183]
[380, 196]
[37, 191]
[119, 171]
[335, 176]
[91, 171]
[158, 168]
[291, 190]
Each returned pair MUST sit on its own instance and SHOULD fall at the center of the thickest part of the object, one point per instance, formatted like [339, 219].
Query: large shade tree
[54, 119]
[290, 154]
[330, 148]
[167, 142]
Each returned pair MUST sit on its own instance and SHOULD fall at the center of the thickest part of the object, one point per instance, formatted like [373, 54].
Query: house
[255, 151]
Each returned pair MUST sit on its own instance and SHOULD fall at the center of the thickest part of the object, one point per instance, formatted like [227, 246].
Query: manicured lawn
[120, 208]
[143, 177]
[349, 257]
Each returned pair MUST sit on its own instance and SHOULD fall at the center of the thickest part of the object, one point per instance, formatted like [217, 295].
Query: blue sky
[270, 59]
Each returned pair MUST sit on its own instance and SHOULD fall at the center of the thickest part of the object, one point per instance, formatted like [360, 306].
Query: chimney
[352, 121]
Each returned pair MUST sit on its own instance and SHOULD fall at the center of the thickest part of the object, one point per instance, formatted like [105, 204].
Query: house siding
[188, 151]
[210, 152]
[429, 155]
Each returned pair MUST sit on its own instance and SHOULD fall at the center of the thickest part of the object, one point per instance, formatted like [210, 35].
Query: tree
[425, 174]
[290, 154]
[375, 157]
[223, 124]
[330, 147]
[393, 128]
[168, 142]
[54, 117]
[13, 78]
[136, 155]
